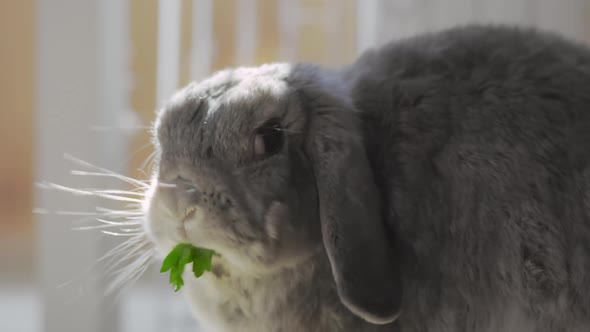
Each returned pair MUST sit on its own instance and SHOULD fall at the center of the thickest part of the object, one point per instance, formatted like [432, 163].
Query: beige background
[17, 84]
[17, 94]
[16, 133]
[315, 42]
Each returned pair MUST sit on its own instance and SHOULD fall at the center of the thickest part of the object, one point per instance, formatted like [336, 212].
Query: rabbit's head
[267, 167]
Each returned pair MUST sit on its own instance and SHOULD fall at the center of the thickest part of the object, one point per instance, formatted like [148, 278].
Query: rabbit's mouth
[189, 213]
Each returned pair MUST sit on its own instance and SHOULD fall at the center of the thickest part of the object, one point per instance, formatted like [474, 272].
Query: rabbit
[438, 183]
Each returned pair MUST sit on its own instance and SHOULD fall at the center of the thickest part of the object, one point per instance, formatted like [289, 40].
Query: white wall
[393, 19]
[82, 82]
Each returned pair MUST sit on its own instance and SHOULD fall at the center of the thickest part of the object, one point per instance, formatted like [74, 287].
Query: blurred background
[84, 78]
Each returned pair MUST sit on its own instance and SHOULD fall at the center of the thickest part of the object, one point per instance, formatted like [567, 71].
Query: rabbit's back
[480, 142]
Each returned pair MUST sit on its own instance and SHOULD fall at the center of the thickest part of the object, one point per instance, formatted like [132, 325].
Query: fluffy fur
[440, 183]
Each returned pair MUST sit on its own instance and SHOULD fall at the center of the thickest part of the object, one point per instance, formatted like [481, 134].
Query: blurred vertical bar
[405, 18]
[168, 49]
[186, 42]
[114, 94]
[335, 27]
[224, 34]
[80, 83]
[444, 14]
[289, 18]
[202, 39]
[268, 32]
[143, 58]
[367, 24]
[246, 32]
[513, 12]
[566, 17]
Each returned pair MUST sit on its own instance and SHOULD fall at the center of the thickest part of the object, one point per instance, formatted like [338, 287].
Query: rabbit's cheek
[274, 218]
[201, 229]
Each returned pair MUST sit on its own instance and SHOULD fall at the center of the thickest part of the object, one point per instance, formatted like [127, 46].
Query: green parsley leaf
[183, 254]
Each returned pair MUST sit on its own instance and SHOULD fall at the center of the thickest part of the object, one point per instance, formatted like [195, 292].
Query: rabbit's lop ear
[353, 230]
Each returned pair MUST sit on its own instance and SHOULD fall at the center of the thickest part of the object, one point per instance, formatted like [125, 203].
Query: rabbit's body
[477, 142]
[480, 140]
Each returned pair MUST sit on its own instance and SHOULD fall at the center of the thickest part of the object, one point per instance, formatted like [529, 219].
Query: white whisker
[141, 148]
[130, 230]
[150, 158]
[91, 215]
[113, 225]
[64, 213]
[123, 223]
[130, 281]
[134, 241]
[135, 218]
[141, 189]
[132, 181]
[143, 257]
[130, 272]
[88, 216]
[110, 128]
[118, 265]
[142, 172]
[119, 212]
[41, 211]
[120, 234]
[101, 218]
[90, 193]
[114, 192]
[127, 261]
[116, 218]
[76, 213]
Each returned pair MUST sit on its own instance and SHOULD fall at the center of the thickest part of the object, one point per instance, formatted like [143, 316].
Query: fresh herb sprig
[183, 254]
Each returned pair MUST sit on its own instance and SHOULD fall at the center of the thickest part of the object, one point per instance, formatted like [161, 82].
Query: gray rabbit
[440, 183]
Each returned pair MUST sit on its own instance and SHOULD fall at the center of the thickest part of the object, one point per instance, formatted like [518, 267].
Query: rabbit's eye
[268, 139]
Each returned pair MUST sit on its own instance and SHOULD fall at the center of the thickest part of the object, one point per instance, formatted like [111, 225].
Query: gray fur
[444, 178]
